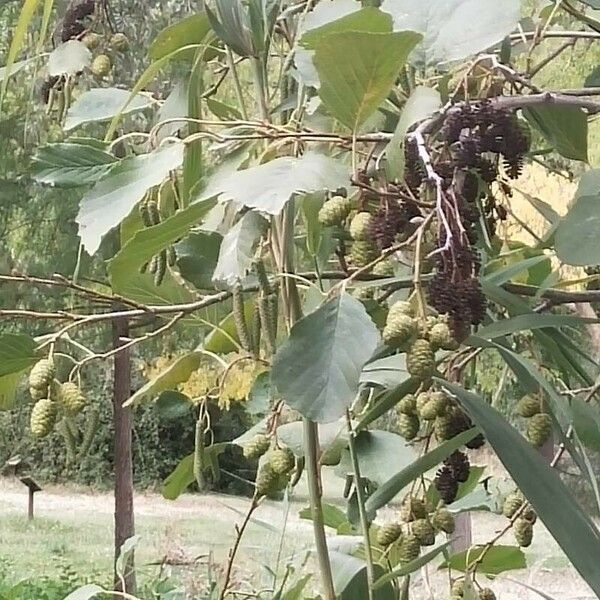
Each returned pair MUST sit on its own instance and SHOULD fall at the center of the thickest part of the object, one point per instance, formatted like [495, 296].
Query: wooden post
[123, 422]
[32, 488]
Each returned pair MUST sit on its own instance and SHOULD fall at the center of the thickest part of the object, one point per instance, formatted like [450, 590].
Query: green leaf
[310, 206]
[565, 127]
[197, 256]
[8, 389]
[453, 29]
[388, 372]
[358, 69]
[18, 38]
[393, 486]
[422, 103]
[570, 526]
[269, 186]
[368, 19]
[16, 67]
[586, 421]
[260, 396]
[101, 104]
[180, 479]
[172, 405]
[317, 369]
[71, 164]
[374, 449]
[576, 239]
[125, 552]
[113, 197]
[333, 439]
[496, 560]
[411, 567]
[530, 321]
[504, 268]
[188, 31]
[236, 253]
[86, 592]
[296, 590]
[223, 111]
[333, 516]
[176, 373]
[69, 58]
[124, 268]
[350, 579]
[17, 353]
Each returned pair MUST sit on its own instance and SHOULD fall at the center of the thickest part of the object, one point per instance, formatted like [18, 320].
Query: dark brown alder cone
[446, 485]
[458, 463]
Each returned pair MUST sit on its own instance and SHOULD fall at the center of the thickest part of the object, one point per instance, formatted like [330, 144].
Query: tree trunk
[124, 517]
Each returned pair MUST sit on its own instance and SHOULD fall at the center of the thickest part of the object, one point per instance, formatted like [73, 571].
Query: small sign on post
[33, 487]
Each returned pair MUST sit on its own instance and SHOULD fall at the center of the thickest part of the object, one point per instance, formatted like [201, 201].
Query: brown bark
[123, 422]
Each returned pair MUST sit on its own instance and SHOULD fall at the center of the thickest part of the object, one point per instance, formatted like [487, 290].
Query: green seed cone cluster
[443, 520]
[424, 531]
[512, 504]
[387, 534]
[71, 398]
[409, 548]
[523, 532]
[528, 406]
[119, 42]
[335, 211]
[43, 417]
[539, 429]
[360, 226]
[281, 460]
[457, 591]
[257, 446]
[40, 378]
[101, 65]
[420, 359]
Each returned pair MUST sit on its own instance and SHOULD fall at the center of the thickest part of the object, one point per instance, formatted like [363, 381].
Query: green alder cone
[43, 417]
[423, 530]
[429, 411]
[399, 330]
[71, 397]
[362, 253]
[101, 65]
[443, 427]
[401, 307]
[487, 594]
[119, 42]
[408, 426]
[443, 520]
[92, 40]
[385, 268]
[528, 406]
[266, 480]
[281, 460]
[387, 534]
[539, 429]
[412, 509]
[530, 515]
[420, 360]
[360, 226]
[424, 327]
[257, 446]
[523, 531]
[512, 504]
[409, 549]
[441, 337]
[335, 211]
[408, 405]
[41, 375]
